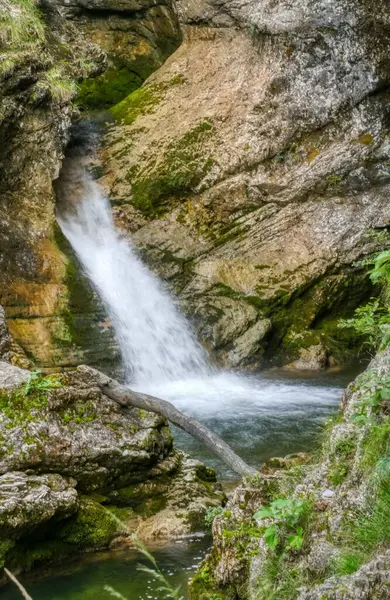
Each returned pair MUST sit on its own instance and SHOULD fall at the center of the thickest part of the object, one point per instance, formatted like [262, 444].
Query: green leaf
[264, 513]
[271, 537]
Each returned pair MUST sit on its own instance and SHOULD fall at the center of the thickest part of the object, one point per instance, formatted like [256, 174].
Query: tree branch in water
[127, 397]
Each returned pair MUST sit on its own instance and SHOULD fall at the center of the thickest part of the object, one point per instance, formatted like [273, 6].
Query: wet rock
[191, 491]
[267, 190]
[313, 358]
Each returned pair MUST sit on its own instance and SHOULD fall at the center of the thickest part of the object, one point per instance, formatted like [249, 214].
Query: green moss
[108, 89]
[92, 527]
[142, 101]
[181, 168]
[79, 412]
[27, 554]
[23, 405]
[5, 547]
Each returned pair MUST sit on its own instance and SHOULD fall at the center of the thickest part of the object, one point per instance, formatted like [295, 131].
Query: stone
[327, 494]
[29, 500]
[370, 582]
[70, 428]
[12, 376]
[248, 344]
[5, 338]
[313, 358]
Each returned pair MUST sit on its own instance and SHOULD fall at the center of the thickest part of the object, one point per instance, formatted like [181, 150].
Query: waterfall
[155, 340]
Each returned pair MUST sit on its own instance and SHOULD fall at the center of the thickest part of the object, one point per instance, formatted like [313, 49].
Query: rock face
[74, 466]
[252, 168]
[371, 582]
[137, 38]
[41, 64]
[321, 532]
[47, 49]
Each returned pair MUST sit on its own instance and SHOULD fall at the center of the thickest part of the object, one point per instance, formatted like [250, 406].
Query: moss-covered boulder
[63, 424]
[78, 472]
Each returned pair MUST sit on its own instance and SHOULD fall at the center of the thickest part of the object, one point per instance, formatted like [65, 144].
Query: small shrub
[372, 321]
[286, 514]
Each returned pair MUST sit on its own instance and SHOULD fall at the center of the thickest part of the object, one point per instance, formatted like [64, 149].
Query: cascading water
[155, 341]
[259, 416]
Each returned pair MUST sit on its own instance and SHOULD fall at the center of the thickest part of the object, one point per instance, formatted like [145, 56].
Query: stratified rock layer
[252, 168]
[47, 49]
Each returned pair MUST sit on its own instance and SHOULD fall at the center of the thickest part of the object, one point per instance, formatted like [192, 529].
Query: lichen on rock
[79, 472]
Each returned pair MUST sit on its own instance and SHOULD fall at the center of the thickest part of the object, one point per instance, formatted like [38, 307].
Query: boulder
[28, 500]
[11, 377]
[64, 425]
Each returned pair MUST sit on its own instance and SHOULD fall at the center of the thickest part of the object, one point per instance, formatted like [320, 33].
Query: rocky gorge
[245, 150]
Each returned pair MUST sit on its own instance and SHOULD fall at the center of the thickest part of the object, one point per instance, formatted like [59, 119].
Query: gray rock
[286, 186]
[313, 358]
[12, 376]
[5, 338]
[77, 432]
[27, 501]
[370, 582]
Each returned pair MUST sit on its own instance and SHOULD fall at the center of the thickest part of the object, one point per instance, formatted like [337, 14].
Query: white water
[155, 341]
[257, 415]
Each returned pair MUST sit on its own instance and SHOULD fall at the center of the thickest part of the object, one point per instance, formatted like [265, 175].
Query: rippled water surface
[86, 579]
[272, 414]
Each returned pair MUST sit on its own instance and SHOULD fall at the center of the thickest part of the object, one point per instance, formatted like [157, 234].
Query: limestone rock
[371, 582]
[69, 428]
[270, 186]
[248, 344]
[191, 491]
[313, 358]
[5, 338]
[12, 376]
[137, 37]
[27, 501]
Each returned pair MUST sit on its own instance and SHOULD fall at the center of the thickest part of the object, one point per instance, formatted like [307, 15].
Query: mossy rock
[181, 168]
[142, 101]
[94, 526]
[108, 89]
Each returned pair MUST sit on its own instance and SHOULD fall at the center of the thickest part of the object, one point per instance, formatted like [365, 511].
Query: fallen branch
[18, 584]
[126, 397]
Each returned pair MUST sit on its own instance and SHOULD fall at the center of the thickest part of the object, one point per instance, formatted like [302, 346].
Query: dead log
[125, 396]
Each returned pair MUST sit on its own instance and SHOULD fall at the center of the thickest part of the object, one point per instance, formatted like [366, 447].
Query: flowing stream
[262, 415]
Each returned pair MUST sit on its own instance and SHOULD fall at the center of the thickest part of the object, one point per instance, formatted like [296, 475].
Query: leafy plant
[374, 395]
[210, 515]
[372, 321]
[285, 513]
[37, 382]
